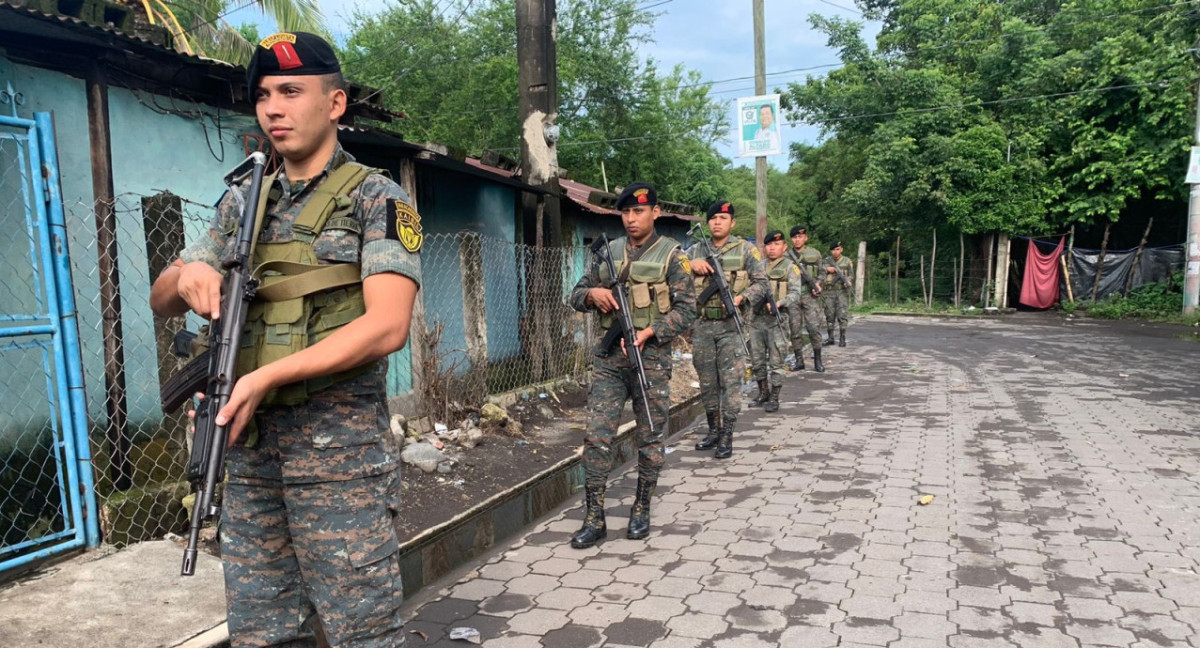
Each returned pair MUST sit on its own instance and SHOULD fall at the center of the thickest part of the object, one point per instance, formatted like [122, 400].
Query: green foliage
[1156, 301]
[454, 72]
[1021, 117]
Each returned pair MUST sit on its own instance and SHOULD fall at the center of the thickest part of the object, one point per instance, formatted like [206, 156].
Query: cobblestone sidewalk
[1064, 465]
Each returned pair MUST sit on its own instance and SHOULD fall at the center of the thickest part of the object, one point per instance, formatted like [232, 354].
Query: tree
[200, 27]
[453, 71]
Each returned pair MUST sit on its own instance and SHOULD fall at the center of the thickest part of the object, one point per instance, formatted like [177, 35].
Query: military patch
[271, 41]
[796, 271]
[642, 196]
[404, 225]
[685, 264]
[755, 253]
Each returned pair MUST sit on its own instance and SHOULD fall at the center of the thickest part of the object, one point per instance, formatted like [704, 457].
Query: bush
[1159, 301]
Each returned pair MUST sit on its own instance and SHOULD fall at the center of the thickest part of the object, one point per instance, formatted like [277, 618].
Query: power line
[834, 4]
[993, 102]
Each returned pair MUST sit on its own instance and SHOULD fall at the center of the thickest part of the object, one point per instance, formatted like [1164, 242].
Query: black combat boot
[763, 394]
[842, 338]
[639, 515]
[798, 360]
[725, 443]
[709, 439]
[818, 366]
[772, 404]
[829, 338]
[593, 529]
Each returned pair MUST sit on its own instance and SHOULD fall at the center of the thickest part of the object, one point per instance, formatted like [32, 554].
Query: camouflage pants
[768, 346]
[613, 383]
[805, 316]
[837, 307]
[718, 357]
[307, 527]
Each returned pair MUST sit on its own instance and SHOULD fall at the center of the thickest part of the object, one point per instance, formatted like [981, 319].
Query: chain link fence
[491, 317]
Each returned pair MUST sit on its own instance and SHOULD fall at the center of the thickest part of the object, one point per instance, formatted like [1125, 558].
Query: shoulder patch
[404, 225]
[755, 253]
[795, 271]
[684, 263]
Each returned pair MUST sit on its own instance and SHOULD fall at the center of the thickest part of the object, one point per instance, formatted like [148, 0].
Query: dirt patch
[553, 424]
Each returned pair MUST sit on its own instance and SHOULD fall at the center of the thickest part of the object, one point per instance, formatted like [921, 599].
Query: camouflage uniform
[666, 304]
[613, 383]
[307, 523]
[768, 344]
[807, 314]
[836, 296]
[717, 351]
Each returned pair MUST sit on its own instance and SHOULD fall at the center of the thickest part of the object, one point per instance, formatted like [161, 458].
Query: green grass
[914, 306]
[1156, 302]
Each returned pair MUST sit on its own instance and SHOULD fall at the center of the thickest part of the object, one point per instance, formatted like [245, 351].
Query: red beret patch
[643, 196]
[287, 56]
[725, 208]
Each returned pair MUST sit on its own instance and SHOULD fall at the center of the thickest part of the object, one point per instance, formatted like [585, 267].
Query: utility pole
[760, 88]
[537, 78]
[1191, 273]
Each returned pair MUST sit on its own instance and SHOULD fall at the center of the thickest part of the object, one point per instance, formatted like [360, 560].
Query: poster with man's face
[758, 126]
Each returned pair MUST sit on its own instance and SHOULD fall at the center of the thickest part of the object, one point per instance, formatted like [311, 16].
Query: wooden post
[1067, 276]
[932, 261]
[109, 273]
[860, 273]
[470, 265]
[924, 293]
[417, 336]
[1100, 262]
[1003, 246]
[896, 273]
[986, 295]
[162, 222]
[760, 88]
[962, 268]
[1137, 257]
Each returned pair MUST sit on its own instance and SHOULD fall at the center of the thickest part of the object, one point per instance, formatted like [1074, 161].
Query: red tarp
[1039, 288]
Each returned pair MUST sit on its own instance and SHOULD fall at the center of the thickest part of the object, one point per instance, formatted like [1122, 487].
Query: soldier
[806, 315]
[717, 348]
[837, 292]
[767, 339]
[307, 530]
[658, 281]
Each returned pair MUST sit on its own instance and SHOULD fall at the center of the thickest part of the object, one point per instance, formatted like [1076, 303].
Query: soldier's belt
[713, 313]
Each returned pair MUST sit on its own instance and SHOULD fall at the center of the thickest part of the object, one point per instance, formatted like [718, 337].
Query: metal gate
[47, 502]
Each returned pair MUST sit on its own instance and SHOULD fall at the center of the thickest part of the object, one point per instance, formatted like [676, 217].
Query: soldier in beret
[768, 343]
[658, 283]
[837, 292]
[807, 315]
[307, 532]
[716, 348]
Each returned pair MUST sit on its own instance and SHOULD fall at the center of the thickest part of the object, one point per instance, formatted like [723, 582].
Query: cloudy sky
[715, 37]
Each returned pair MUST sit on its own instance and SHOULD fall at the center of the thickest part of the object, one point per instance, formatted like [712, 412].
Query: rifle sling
[303, 279]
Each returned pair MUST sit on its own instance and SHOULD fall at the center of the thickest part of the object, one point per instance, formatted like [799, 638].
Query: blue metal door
[47, 502]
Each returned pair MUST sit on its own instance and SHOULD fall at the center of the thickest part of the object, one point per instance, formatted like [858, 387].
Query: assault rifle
[623, 328]
[717, 284]
[206, 464]
[838, 271]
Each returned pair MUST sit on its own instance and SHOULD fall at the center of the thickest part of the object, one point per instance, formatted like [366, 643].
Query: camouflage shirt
[378, 248]
[756, 292]
[830, 279]
[679, 280]
[374, 248]
[810, 259]
[794, 289]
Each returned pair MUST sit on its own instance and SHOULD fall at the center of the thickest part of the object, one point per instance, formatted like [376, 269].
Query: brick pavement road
[1064, 461]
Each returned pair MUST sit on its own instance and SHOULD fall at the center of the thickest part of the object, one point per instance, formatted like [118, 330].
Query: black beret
[799, 229]
[638, 193]
[720, 207]
[290, 54]
[772, 236]
[835, 245]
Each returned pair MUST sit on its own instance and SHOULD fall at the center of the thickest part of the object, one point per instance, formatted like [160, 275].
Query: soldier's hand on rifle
[602, 299]
[640, 339]
[248, 392]
[200, 287]
[831, 269]
[701, 267]
[737, 301]
[817, 291]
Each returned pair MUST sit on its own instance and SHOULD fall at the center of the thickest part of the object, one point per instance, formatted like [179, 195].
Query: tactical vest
[299, 300]
[778, 274]
[809, 259]
[831, 281]
[649, 293]
[733, 261]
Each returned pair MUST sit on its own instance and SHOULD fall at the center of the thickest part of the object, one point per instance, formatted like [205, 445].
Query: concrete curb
[439, 550]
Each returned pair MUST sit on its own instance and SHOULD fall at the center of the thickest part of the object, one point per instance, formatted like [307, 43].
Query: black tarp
[1156, 264]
